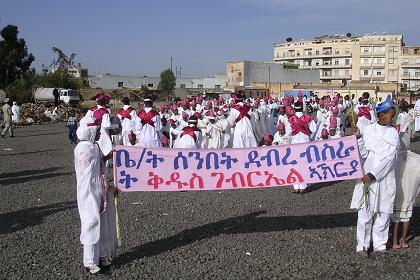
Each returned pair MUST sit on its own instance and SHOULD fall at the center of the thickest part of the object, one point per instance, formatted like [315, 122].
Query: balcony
[410, 77]
[334, 77]
[373, 65]
[314, 55]
[373, 78]
[417, 65]
[370, 54]
[333, 66]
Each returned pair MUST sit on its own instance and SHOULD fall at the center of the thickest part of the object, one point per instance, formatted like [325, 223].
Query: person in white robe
[303, 127]
[257, 122]
[408, 188]
[227, 132]
[127, 116]
[281, 138]
[190, 136]
[16, 113]
[243, 135]
[404, 127]
[148, 125]
[102, 115]
[417, 108]
[378, 146]
[413, 114]
[94, 199]
[365, 114]
[214, 131]
[174, 132]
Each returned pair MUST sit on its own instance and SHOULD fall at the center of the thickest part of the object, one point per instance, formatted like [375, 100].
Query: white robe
[97, 216]
[404, 123]
[187, 142]
[147, 134]
[281, 139]
[243, 136]
[214, 132]
[362, 121]
[379, 148]
[227, 132]
[16, 113]
[417, 108]
[258, 124]
[127, 125]
[104, 142]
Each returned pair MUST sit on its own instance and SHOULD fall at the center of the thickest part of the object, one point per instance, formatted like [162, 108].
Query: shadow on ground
[18, 220]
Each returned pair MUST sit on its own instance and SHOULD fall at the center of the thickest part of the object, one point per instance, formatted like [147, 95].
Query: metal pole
[171, 61]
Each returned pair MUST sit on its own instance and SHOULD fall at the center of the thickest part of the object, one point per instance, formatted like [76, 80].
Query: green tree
[166, 86]
[15, 62]
[59, 79]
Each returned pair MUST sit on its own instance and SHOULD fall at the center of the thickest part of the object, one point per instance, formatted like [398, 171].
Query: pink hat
[281, 126]
[174, 107]
[197, 115]
[103, 96]
[184, 115]
[333, 123]
[267, 138]
[324, 132]
[282, 109]
[335, 110]
[211, 115]
[164, 140]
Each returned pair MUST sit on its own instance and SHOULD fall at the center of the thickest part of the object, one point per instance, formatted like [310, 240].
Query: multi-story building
[410, 67]
[370, 58]
[248, 73]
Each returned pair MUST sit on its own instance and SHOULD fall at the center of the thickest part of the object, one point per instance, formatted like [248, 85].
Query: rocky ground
[242, 234]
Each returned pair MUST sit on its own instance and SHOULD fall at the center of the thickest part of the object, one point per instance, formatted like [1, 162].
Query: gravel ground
[243, 234]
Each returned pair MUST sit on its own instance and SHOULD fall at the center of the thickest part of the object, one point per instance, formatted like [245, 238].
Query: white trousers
[375, 226]
[91, 254]
[299, 186]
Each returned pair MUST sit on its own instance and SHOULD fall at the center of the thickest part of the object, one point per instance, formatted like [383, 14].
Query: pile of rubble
[31, 113]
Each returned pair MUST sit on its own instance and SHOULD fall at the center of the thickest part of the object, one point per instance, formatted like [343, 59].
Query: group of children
[241, 123]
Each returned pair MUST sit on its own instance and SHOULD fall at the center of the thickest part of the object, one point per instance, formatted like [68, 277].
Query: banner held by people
[160, 169]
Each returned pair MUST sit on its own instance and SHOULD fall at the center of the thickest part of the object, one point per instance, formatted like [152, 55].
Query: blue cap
[387, 104]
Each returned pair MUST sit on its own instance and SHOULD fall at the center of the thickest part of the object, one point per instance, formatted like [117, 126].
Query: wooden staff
[117, 219]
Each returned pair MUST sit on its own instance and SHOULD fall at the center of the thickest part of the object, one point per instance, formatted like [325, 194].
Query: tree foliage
[15, 62]
[166, 86]
[59, 79]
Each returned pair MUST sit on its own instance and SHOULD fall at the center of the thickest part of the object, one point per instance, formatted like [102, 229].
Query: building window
[365, 61]
[405, 74]
[347, 73]
[120, 84]
[405, 62]
[150, 85]
[309, 63]
[347, 61]
[365, 72]
[417, 74]
[317, 52]
[239, 74]
[337, 52]
[336, 62]
[417, 61]
[200, 86]
[217, 86]
[336, 73]
[182, 86]
[347, 51]
[391, 60]
[378, 73]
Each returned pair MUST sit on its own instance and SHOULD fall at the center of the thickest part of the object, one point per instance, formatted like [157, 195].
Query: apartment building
[370, 58]
[410, 67]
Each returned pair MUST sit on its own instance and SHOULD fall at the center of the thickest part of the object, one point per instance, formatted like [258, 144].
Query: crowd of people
[241, 122]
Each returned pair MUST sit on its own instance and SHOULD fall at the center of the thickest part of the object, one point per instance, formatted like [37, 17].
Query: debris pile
[39, 113]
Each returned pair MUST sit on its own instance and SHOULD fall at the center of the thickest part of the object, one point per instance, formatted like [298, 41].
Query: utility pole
[171, 58]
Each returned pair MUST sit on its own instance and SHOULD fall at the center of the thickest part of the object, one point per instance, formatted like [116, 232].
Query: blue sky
[138, 37]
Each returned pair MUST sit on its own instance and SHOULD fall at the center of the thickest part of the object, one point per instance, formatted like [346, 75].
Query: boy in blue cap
[378, 146]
